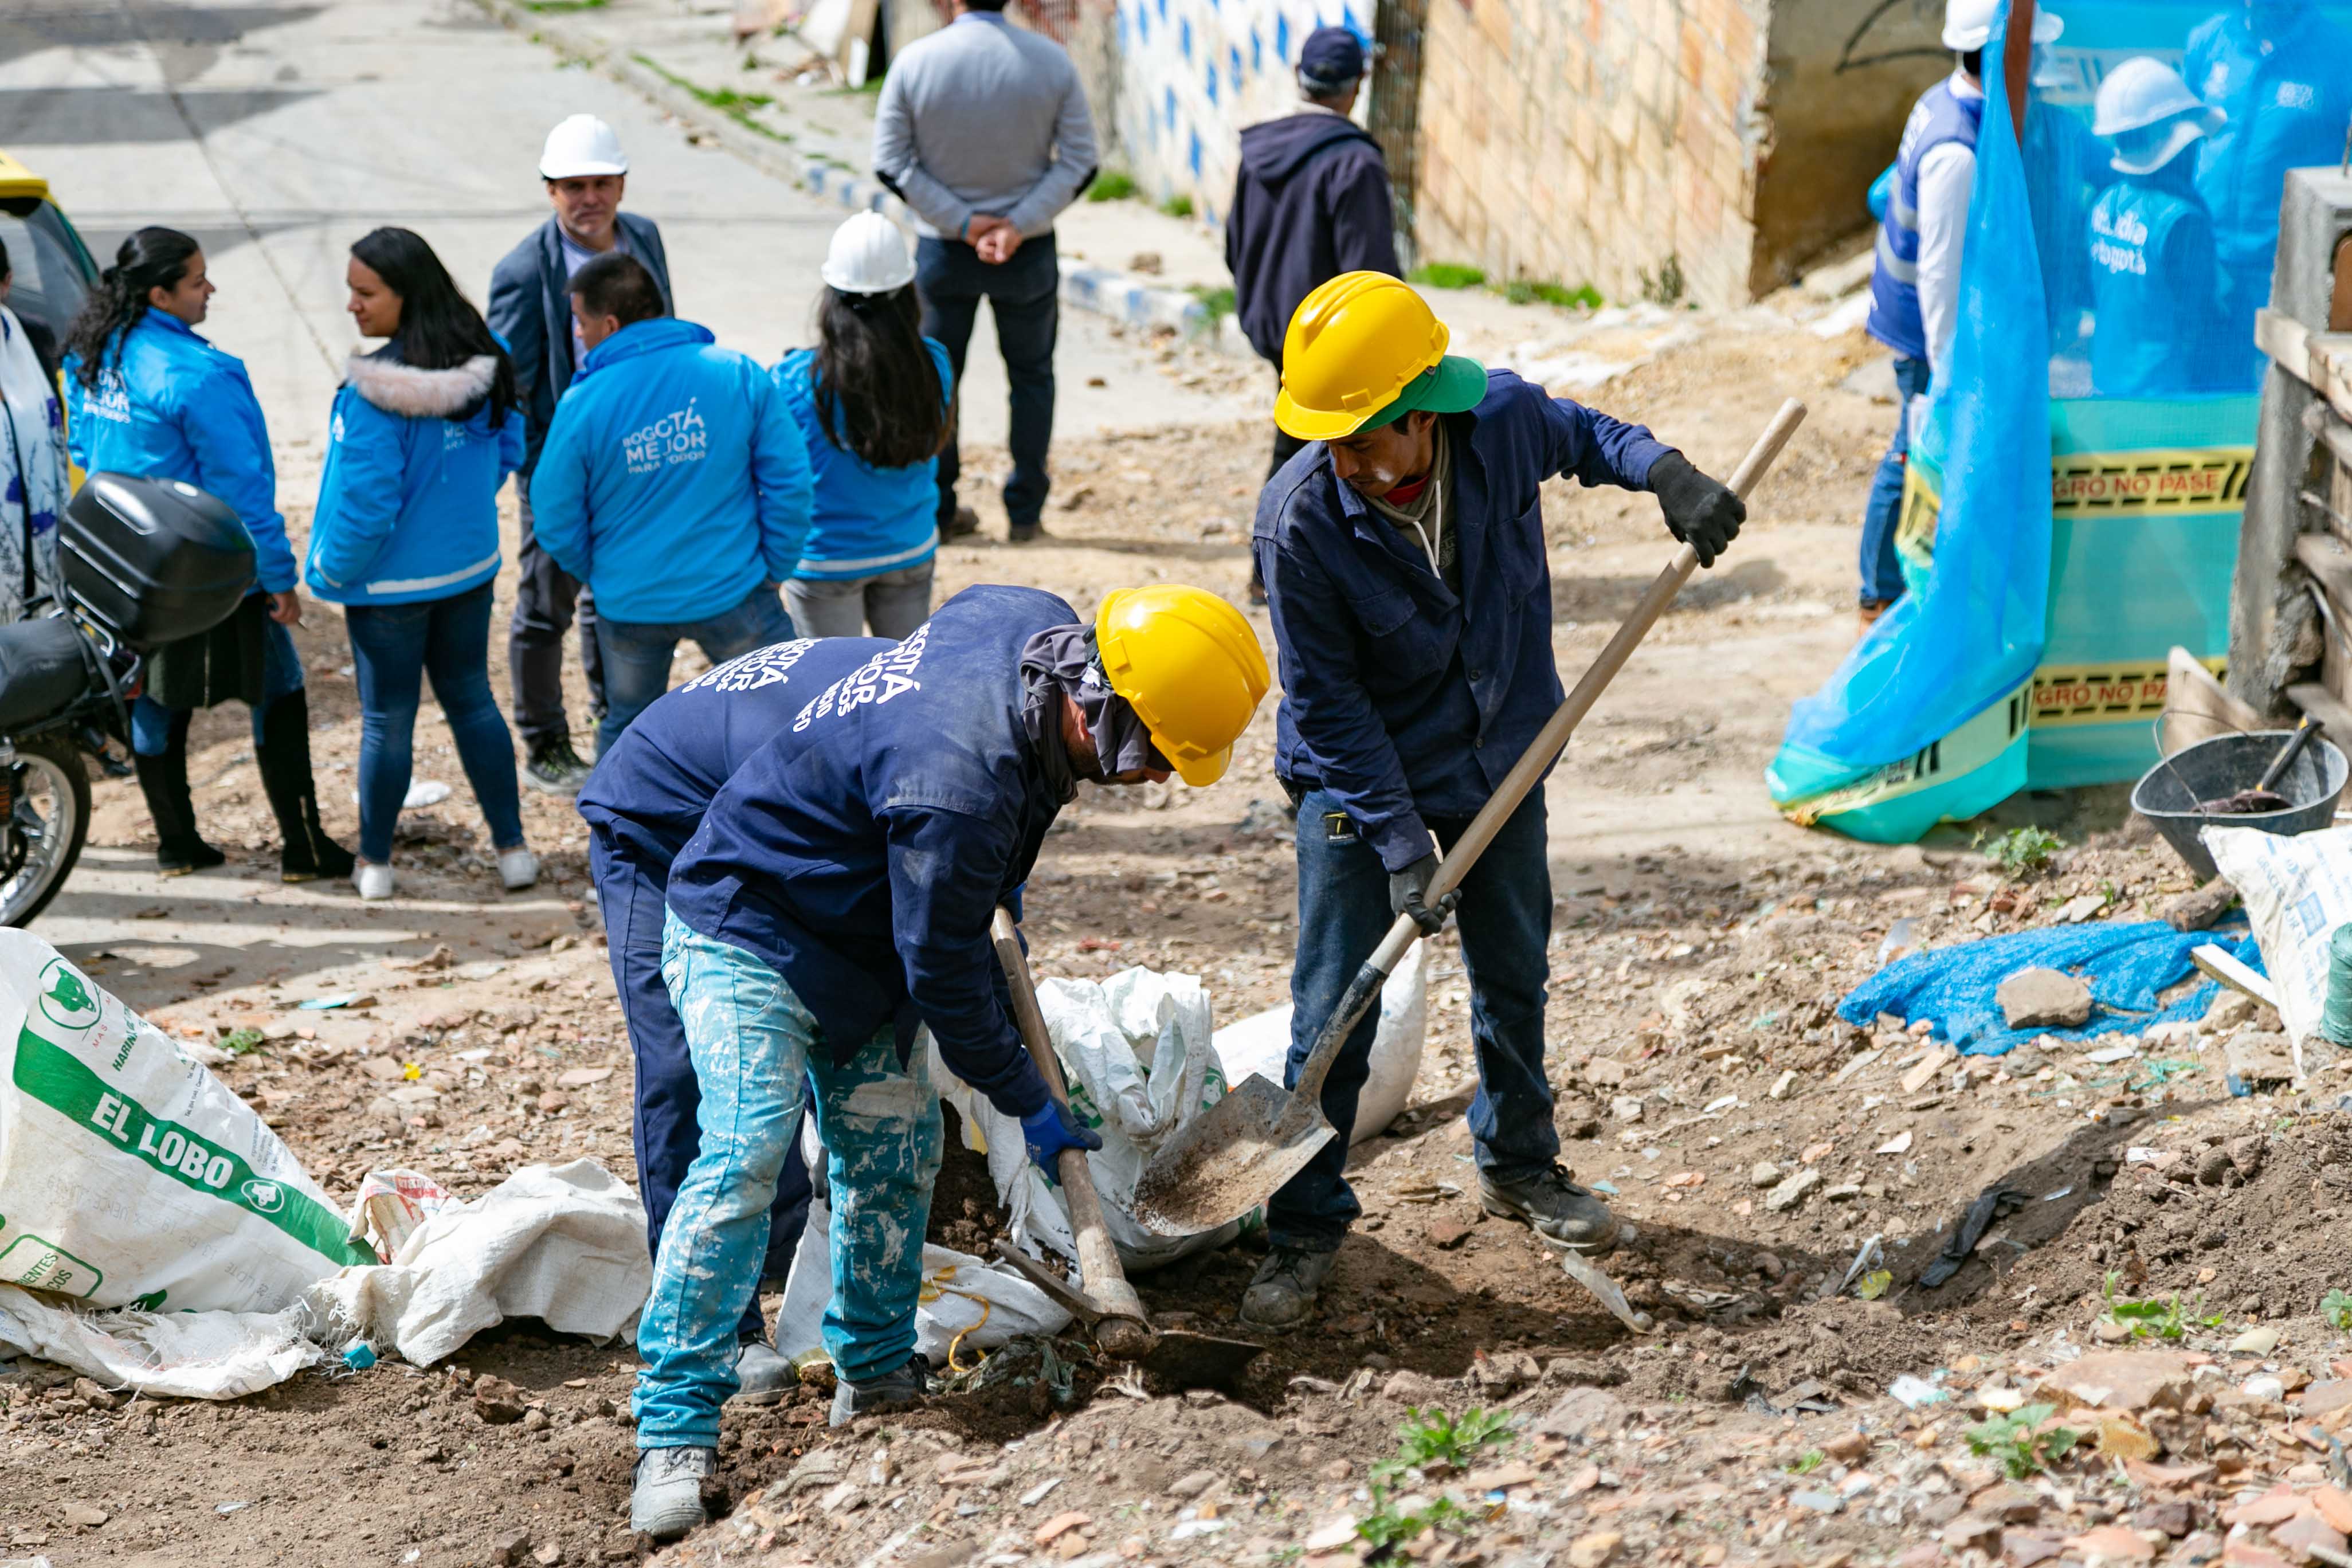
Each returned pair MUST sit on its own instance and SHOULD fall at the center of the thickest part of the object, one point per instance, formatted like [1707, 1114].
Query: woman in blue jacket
[872, 400]
[146, 396]
[425, 431]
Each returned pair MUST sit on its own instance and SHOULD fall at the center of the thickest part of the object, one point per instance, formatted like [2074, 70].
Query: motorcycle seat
[42, 670]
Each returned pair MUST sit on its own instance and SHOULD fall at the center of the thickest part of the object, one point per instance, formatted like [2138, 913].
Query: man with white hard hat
[1914, 288]
[2155, 274]
[531, 307]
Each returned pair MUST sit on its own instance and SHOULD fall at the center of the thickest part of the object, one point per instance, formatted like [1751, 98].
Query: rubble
[2044, 999]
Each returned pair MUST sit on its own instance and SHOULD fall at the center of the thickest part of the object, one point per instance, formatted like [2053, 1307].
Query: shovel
[1237, 1154]
[1110, 1306]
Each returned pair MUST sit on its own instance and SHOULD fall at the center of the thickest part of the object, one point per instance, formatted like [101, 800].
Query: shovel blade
[1227, 1161]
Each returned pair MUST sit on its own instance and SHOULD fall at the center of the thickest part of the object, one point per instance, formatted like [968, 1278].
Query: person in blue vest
[1915, 285]
[673, 483]
[1406, 573]
[836, 901]
[2151, 243]
[642, 804]
[874, 401]
[146, 396]
[2280, 74]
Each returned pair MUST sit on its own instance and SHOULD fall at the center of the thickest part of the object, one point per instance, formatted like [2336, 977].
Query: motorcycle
[143, 563]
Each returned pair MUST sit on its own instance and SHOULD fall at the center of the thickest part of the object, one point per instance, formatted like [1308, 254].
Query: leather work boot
[666, 1500]
[1563, 1214]
[1281, 1294]
[761, 1375]
[891, 1391]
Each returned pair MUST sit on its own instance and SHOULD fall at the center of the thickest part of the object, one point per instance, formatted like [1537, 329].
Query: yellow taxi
[52, 269]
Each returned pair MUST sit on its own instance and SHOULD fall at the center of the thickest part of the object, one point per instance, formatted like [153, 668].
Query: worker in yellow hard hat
[1404, 556]
[835, 898]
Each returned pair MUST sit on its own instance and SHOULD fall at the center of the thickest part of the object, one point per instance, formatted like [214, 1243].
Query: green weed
[1178, 205]
[563, 7]
[2013, 1439]
[1806, 1463]
[1386, 1526]
[1446, 274]
[2152, 1319]
[2020, 850]
[2336, 1308]
[241, 1041]
[1522, 292]
[1432, 1436]
[1218, 303]
[1666, 288]
[1111, 186]
[735, 106]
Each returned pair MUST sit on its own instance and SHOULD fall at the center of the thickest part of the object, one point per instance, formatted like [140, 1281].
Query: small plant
[1111, 185]
[562, 7]
[1666, 288]
[1433, 1438]
[1178, 205]
[1524, 291]
[2019, 1443]
[1806, 1463]
[2152, 1319]
[1218, 303]
[241, 1041]
[1386, 1526]
[2336, 1308]
[2020, 851]
[735, 106]
[1446, 274]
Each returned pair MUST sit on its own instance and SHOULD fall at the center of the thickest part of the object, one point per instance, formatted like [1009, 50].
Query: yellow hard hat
[1191, 668]
[1363, 349]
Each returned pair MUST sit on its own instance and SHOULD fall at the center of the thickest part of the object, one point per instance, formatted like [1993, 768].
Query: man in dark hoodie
[1311, 202]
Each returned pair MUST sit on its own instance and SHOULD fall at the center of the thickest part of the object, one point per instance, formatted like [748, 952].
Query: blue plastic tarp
[2125, 965]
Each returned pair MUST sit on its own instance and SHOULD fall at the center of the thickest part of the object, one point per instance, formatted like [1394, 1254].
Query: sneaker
[518, 869]
[891, 1391]
[762, 1376]
[556, 768]
[1281, 1294]
[372, 881]
[1564, 1215]
[666, 1500]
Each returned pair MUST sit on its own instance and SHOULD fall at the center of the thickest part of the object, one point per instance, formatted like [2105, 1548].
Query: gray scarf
[1058, 662]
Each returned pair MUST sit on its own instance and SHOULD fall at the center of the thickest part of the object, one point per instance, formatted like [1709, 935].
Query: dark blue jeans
[667, 1095]
[1881, 569]
[394, 648]
[1023, 295]
[1504, 920]
[637, 655]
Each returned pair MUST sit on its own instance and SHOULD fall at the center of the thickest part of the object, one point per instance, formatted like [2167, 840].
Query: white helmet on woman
[2150, 114]
[868, 256]
[1968, 25]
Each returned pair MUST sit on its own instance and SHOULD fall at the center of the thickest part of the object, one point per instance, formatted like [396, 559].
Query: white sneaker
[518, 869]
[374, 881]
[666, 1500]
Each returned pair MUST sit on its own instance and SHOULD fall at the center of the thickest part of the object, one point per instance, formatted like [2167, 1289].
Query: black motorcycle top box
[155, 560]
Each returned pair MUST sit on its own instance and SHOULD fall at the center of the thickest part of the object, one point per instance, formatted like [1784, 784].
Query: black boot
[285, 757]
[165, 781]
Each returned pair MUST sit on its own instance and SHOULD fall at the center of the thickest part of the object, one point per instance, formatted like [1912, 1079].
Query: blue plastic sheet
[2126, 965]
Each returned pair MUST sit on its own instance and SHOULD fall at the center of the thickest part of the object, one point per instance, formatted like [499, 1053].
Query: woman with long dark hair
[873, 403]
[147, 396]
[425, 431]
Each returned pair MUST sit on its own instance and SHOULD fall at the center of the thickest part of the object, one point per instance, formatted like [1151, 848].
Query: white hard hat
[1968, 25]
[582, 145]
[868, 256]
[2142, 95]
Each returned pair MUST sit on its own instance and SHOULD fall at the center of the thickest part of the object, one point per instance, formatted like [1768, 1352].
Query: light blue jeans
[755, 1046]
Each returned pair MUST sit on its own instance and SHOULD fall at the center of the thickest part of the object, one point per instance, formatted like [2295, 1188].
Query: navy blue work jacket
[1399, 697]
[862, 851]
[649, 793]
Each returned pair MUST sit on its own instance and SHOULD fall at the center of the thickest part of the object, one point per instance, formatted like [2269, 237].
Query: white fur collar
[415, 393]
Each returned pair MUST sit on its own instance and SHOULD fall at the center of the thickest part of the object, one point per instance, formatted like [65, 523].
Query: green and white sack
[130, 1175]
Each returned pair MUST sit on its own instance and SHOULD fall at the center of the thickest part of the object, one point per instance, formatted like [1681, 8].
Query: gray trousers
[893, 602]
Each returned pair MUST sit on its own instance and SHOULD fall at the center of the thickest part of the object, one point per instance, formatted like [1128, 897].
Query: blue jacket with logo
[2287, 106]
[650, 791]
[1940, 116]
[867, 521]
[2153, 290]
[863, 850]
[408, 500]
[169, 405]
[673, 481]
[1398, 696]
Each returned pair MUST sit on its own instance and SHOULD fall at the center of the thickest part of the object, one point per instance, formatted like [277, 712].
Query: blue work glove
[1049, 1131]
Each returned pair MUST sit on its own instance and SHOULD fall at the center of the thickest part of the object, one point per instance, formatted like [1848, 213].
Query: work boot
[1564, 1215]
[762, 1374]
[965, 520]
[1025, 533]
[556, 768]
[891, 1391]
[165, 781]
[1281, 1294]
[666, 1500]
[307, 853]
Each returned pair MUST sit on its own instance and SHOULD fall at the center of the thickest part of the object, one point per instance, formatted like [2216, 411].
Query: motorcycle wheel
[48, 819]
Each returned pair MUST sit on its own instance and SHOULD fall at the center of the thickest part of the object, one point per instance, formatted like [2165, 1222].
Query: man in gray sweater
[983, 132]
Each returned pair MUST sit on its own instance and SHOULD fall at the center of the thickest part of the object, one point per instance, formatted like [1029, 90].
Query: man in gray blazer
[530, 308]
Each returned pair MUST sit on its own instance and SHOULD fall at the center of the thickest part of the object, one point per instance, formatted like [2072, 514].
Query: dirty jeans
[1882, 568]
[1505, 919]
[754, 1047]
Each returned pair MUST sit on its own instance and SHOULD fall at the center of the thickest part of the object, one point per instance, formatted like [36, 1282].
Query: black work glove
[1409, 894]
[1700, 512]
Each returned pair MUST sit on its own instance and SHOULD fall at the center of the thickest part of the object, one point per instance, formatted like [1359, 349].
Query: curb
[1121, 297]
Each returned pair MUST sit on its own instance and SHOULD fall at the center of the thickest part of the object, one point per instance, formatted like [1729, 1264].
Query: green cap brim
[1452, 385]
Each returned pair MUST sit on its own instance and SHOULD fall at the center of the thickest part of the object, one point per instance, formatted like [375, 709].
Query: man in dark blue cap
[1311, 201]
